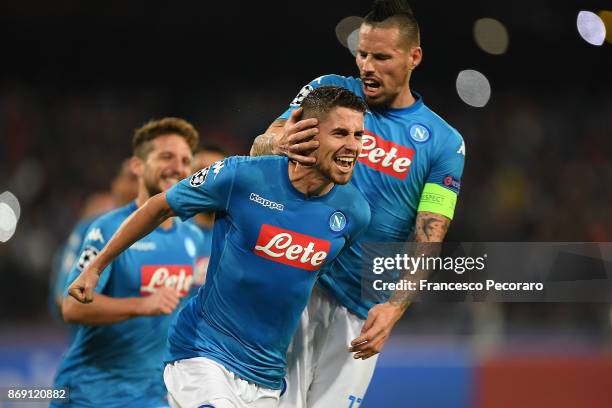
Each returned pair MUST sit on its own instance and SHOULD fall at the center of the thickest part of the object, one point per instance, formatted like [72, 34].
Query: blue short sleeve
[96, 238]
[447, 167]
[207, 190]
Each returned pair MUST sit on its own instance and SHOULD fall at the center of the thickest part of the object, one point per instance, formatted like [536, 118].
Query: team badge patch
[199, 177]
[419, 133]
[337, 221]
[88, 255]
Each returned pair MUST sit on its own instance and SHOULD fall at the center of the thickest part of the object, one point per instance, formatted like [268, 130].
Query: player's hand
[376, 330]
[82, 289]
[296, 139]
[163, 301]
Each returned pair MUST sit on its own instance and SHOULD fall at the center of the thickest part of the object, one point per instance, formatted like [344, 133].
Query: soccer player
[204, 157]
[227, 347]
[123, 189]
[116, 357]
[409, 172]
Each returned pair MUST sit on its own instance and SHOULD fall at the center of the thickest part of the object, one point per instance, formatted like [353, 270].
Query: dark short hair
[143, 136]
[320, 101]
[386, 13]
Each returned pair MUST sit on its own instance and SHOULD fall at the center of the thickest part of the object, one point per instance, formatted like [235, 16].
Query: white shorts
[201, 382]
[321, 372]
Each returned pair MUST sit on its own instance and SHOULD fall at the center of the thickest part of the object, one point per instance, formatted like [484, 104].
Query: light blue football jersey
[270, 241]
[404, 150]
[121, 364]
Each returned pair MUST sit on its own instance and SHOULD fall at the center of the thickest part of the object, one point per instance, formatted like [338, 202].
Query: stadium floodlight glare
[9, 215]
[473, 88]
[491, 36]
[346, 27]
[591, 28]
[606, 17]
[353, 42]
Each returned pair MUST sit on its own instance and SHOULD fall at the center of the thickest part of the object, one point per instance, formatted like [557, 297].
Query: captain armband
[439, 200]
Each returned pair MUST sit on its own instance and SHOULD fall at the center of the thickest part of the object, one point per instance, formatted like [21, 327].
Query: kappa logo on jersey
[153, 277]
[385, 156]
[217, 166]
[461, 148]
[95, 235]
[199, 177]
[265, 202]
[297, 101]
[144, 246]
[291, 248]
[88, 255]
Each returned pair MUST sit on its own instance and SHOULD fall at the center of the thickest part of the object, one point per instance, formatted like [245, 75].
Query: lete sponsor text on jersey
[152, 277]
[291, 248]
[385, 156]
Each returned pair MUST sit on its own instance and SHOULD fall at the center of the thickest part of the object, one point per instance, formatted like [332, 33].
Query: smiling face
[168, 162]
[340, 133]
[385, 61]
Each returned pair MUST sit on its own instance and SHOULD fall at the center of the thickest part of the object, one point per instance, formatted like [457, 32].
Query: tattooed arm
[292, 137]
[430, 228]
[264, 144]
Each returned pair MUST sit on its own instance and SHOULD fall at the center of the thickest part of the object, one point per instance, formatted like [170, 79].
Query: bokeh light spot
[491, 36]
[591, 28]
[473, 88]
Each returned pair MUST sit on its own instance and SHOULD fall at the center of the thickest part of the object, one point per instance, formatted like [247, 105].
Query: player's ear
[416, 55]
[137, 165]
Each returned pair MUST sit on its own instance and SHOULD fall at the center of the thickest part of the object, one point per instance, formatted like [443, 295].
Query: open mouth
[345, 163]
[169, 181]
[370, 85]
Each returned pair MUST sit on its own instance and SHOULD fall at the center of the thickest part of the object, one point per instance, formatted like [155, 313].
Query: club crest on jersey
[297, 101]
[419, 133]
[88, 255]
[291, 248]
[153, 277]
[337, 221]
[385, 156]
[95, 235]
[199, 177]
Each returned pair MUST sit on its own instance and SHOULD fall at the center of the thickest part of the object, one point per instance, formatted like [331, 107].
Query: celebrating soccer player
[409, 172]
[277, 223]
[116, 357]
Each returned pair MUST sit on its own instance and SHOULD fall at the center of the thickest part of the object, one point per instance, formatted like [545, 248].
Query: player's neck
[308, 180]
[142, 198]
[404, 99]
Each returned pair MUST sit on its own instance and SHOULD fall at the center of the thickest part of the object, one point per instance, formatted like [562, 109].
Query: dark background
[77, 77]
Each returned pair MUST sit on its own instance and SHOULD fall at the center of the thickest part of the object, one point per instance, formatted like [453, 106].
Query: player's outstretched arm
[291, 137]
[144, 220]
[430, 228]
[109, 310]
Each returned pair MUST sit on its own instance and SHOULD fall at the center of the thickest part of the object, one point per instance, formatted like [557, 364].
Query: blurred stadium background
[77, 77]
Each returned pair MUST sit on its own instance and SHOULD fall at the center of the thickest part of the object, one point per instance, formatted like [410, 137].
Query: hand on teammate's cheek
[375, 331]
[296, 140]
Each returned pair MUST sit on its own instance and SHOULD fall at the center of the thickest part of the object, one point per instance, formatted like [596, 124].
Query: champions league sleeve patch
[88, 255]
[301, 95]
[199, 177]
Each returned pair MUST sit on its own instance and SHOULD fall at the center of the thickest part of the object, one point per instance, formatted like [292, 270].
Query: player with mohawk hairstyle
[410, 169]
